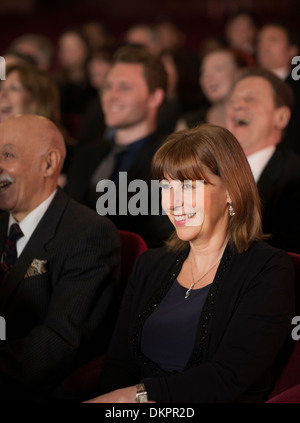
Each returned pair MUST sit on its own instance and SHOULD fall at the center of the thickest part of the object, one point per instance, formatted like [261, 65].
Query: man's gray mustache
[6, 178]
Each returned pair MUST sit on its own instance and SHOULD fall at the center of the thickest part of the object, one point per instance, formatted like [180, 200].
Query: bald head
[32, 152]
[37, 132]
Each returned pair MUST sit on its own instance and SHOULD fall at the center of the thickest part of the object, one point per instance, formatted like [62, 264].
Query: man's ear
[157, 97]
[282, 117]
[51, 163]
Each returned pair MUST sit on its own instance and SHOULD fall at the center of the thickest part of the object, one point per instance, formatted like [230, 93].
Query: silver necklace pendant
[188, 292]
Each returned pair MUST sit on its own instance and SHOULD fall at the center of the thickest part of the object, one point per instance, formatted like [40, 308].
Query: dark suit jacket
[279, 189]
[291, 138]
[54, 320]
[244, 322]
[154, 229]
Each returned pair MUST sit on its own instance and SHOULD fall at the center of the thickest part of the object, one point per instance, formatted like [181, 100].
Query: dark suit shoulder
[72, 220]
[288, 154]
[261, 259]
[261, 251]
[80, 216]
[283, 166]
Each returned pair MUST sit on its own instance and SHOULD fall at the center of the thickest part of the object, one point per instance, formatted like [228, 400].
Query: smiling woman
[183, 201]
[203, 318]
[212, 154]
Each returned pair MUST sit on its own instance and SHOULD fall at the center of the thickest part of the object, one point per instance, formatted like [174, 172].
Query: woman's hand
[124, 395]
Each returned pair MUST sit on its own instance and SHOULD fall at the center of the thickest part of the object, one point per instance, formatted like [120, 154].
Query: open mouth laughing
[241, 122]
[4, 184]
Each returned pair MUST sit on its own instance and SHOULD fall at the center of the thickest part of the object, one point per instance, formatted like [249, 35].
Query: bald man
[57, 275]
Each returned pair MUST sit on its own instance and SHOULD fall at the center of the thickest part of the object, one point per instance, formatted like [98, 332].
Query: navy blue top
[169, 333]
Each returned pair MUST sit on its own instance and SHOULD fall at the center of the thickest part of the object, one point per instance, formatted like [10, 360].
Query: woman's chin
[187, 233]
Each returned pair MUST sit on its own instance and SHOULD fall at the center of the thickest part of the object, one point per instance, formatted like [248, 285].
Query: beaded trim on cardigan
[207, 311]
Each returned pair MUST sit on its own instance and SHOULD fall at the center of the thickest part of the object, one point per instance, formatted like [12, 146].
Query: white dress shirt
[282, 73]
[259, 160]
[29, 223]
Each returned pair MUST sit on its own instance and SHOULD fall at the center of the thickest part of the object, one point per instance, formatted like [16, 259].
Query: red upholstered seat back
[132, 246]
[289, 376]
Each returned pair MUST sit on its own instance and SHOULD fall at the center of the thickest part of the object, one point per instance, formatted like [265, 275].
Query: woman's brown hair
[42, 88]
[192, 154]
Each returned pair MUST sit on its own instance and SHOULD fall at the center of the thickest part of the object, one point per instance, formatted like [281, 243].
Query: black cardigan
[244, 323]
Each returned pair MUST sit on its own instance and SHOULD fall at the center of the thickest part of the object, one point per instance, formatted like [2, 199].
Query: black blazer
[244, 322]
[55, 319]
[153, 228]
[291, 133]
[279, 189]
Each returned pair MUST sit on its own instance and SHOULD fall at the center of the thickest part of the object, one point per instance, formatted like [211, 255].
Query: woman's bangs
[182, 167]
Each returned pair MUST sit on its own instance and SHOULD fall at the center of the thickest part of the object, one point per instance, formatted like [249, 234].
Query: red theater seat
[287, 386]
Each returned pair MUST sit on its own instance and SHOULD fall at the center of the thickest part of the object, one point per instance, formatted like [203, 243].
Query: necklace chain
[189, 290]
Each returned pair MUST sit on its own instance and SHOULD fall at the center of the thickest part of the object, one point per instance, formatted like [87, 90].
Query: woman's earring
[231, 211]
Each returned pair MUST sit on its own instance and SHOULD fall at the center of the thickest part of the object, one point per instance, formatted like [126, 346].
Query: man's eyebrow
[7, 145]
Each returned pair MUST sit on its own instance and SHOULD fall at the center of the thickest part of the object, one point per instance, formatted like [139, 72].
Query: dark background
[197, 18]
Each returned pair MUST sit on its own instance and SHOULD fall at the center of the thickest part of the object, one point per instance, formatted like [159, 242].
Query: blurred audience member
[258, 112]
[171, 108]
[183, 91]
[171, 37]
[99, 65]
[38, 46]
[173, 44]
[189, 93]
[76, 91]
[13, 57]
[143, 34]
[97, 34]
[277, 45]
[131, 96]
[30, 90]
[241, 30]
[93, 123]
[219, 70]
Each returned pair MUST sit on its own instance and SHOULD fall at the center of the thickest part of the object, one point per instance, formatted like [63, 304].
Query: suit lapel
[36, 246]
[3, 230]
[267, 182]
